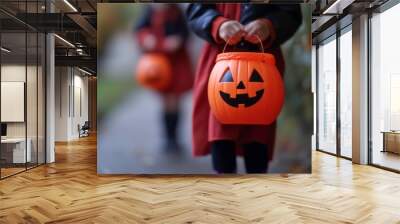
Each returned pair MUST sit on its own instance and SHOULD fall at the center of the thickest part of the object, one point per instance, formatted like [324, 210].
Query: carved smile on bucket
[241, 98]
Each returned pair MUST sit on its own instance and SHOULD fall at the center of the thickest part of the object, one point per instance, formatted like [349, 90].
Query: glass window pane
[327, 96]
[385, 84]
[346, 94]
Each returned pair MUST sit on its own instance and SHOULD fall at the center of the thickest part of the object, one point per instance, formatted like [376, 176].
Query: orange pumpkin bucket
[153, 71]
[245, 88]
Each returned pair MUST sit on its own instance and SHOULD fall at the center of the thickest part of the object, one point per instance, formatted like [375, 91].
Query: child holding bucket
[231, 23]
[163, 29]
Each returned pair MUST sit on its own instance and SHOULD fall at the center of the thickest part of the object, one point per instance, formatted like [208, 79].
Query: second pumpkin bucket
[153, 71]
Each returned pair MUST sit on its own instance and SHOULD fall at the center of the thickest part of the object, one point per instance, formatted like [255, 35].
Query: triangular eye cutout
[227, 77]
[255, 77]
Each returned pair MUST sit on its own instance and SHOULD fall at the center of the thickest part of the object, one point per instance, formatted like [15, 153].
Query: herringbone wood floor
[70, 191]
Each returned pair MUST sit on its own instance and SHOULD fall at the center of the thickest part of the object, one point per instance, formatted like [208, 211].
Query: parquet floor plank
[70, 191]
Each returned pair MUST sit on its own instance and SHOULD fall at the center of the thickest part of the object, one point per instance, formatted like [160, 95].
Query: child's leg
[171, 118]
[255, 157]
[223, 156]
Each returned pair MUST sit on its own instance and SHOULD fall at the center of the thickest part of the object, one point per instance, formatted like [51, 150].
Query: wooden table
[391, 141]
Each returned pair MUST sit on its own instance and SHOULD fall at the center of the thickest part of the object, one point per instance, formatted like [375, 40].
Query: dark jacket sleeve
[178, 26]
[286, 19]
[200, 18]
[184, 31]
[144, 19]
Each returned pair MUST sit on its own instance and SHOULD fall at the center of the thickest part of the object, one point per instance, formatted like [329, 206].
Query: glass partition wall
[13, 110]
[334, 94]
[22, 107]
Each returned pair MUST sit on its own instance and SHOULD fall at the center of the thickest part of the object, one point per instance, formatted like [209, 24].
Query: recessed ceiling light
[84, 71]
[333, 6]
[70, 5]
[64, 40]
[5, 50]
[337, 7]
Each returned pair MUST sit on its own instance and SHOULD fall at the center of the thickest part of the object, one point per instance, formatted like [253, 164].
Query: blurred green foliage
[298, 110]
[112, 17]
[110, 92]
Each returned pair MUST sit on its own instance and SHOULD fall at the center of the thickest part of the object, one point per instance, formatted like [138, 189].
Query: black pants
[170, 125]
[224, 157]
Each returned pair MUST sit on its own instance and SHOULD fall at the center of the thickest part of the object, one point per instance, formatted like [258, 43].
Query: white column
[50, 99]
[50, 92]
[360, 90]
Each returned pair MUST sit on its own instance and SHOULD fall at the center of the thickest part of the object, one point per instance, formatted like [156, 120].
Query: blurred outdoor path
[131, 139]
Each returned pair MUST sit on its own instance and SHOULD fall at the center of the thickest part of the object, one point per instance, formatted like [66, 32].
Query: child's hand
[149, 43]
[172, 43]
[258, 28]
[231, 31]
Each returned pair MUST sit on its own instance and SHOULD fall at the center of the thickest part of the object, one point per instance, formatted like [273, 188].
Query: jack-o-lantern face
[242, 98]
[245, 88]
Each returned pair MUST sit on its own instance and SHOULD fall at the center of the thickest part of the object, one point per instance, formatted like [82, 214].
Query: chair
[84, 129]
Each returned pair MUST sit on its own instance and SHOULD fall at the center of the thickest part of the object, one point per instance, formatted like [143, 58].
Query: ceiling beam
[84, 24]
[81, 61]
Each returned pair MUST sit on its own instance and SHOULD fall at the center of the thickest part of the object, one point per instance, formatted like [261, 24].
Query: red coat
[162, 23]
[205, 126]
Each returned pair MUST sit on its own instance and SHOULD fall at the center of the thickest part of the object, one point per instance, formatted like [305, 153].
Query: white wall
[11, 73]
[80, 89]
[71, 87]
[62, 82]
